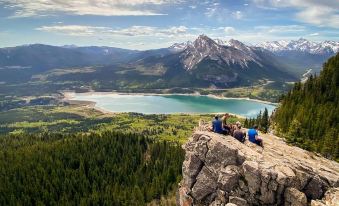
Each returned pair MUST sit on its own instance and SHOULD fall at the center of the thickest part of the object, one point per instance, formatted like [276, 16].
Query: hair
[255, 127]
[239, 126]
[216, 117]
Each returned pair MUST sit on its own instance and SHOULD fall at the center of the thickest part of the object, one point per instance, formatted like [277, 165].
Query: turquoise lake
[170, 104]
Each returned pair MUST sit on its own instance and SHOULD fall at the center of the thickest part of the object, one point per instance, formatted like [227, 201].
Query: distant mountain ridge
[202, 63]
[302, 54]
[302, 45]
[43, 57]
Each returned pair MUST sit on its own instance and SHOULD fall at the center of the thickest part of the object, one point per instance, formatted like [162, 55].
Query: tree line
[262, 121]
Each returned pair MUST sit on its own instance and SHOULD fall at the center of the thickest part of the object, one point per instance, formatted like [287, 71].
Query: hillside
[86, 169]
[309, 114]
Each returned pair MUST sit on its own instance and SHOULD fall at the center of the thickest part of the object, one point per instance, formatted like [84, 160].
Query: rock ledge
[219, 170]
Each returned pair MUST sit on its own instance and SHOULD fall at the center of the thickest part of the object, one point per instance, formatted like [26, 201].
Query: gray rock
[205, 184]
[252, 176]
[314, 189]
[190, 169]
[220, 155]
[331, 198]
[192, 165]
[294, 197]
[238, 201]
[228, 178]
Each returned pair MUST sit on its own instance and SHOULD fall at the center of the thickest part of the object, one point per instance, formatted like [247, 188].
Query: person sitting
[234, 127]
[225, 126]
[217, 126]
[238, 133]
[254, 137]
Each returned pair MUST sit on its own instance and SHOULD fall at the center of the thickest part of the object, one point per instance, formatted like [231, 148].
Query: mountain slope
[309, 114]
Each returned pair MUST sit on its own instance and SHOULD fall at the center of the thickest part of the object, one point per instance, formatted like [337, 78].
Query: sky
[151, 24]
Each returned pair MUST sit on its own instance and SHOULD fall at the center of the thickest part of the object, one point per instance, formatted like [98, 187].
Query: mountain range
[201, 63]
[302, 45]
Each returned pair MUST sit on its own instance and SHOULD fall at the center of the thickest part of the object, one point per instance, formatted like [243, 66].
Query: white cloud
[281, 29]
[229, 30]
[323, 13]
[74, 30]
[28, 8]
[237, 14]
[150, 31]
[314, 34]
[81, 30]
[210, 11]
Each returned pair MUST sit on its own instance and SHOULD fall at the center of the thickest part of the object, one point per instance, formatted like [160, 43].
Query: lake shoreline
[69, 94]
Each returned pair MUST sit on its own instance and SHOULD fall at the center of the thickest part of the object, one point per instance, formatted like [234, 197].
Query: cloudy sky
[145, 24]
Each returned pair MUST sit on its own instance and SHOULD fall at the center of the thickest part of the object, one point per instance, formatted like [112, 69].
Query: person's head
[216, 117]
[238, 123]
[239, 127]
[226, 115]
[255, 127]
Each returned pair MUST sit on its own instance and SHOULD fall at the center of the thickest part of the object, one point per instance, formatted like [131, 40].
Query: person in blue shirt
[254, 137]
[217, 126]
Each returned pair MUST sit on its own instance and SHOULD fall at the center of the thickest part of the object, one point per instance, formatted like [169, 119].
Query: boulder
[205, 185]
[294, 197]
[237, 201]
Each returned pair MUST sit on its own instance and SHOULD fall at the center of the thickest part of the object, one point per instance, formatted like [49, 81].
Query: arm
[258, 138]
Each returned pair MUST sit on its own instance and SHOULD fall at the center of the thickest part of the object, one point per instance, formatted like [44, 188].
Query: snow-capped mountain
[221, 62]
[301, 45]
[178, 47]
[204, 47]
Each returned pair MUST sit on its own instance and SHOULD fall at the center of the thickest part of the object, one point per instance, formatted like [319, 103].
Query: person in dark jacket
[217, 126]
[239, 134]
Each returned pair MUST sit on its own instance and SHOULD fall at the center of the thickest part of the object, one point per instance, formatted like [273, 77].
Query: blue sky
[146, 24]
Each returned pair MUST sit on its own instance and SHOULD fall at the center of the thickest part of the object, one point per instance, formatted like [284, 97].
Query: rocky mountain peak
[206, 48]
[204, 42]
[219, 170]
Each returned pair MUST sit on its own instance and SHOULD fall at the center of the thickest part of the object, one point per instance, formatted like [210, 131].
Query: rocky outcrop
[219, 170]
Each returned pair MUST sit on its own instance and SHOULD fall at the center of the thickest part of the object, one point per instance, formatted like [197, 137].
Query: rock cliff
[219, 170]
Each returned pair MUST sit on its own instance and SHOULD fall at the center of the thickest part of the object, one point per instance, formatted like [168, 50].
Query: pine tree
[265, 121]
[246, 124]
